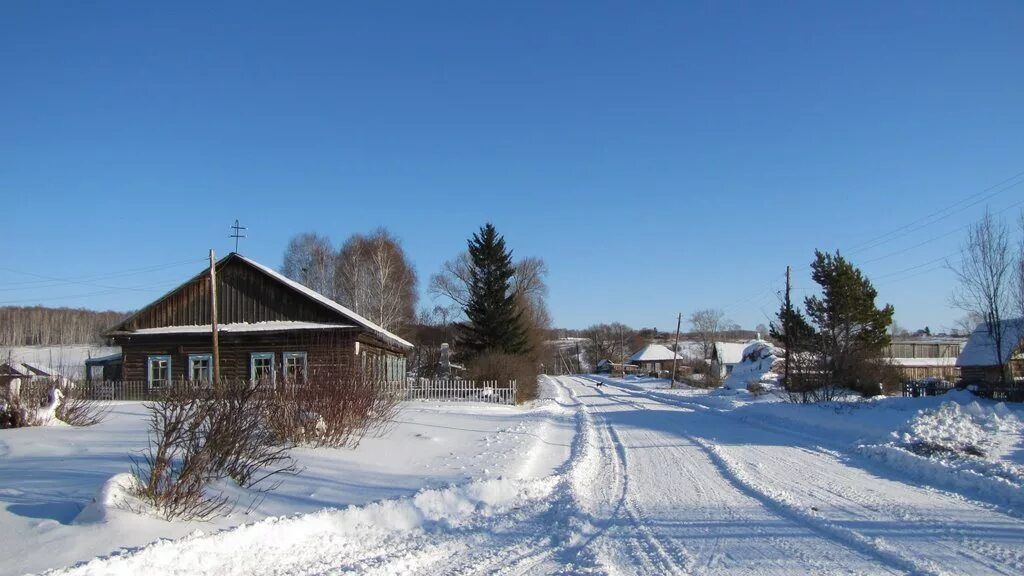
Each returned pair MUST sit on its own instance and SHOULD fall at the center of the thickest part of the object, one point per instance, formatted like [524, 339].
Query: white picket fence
[490, 391]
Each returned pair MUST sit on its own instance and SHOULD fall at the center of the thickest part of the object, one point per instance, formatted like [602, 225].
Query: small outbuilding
[25, 371]
[979, 361]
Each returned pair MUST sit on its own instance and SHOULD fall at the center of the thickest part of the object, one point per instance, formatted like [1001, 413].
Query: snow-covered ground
[623, 478]
[48, 475]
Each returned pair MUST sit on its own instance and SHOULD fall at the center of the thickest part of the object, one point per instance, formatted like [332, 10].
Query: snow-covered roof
[101, 359]
[29, 369]
[924, 362]
[980, 349]
[729, 352]
[654, 353]
[328, 302]
[241, 327]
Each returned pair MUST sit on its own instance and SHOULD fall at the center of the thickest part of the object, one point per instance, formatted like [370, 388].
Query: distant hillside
[41, 326]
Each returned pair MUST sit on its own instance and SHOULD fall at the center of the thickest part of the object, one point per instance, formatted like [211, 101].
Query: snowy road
[650, 487]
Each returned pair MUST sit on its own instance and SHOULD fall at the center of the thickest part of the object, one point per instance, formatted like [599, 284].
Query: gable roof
[980, 349]
[729, 352]
[312, 295]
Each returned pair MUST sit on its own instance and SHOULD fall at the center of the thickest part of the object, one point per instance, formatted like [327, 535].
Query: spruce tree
[494, 321]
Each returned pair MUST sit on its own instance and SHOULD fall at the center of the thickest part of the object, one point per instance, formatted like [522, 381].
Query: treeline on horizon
[43, 326]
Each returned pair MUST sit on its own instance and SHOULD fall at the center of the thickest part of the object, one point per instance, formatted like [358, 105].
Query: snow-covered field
[624, 478]
[67, 360]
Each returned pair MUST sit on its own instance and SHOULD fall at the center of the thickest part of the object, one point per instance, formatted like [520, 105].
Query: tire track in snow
[786, 506]
[654, 550]
[811, 559]
[829, 488]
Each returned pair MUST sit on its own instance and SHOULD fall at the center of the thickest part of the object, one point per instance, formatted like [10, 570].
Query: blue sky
[661, 158]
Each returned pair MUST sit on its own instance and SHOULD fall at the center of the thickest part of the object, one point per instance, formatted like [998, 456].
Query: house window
[261, 367]
[295, 366]
[200, 368]
[158, 371]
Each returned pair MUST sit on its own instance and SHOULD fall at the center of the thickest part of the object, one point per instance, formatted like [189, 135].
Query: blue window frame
[158, 371]
[261, 367]
[294, 365]
[200, 368]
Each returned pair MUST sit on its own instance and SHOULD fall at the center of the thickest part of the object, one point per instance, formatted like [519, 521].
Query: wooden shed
[269, 327]
[979, 361]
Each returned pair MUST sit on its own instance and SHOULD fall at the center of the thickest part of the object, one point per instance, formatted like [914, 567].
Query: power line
[938, 215]
[920, 223]
[86, 279]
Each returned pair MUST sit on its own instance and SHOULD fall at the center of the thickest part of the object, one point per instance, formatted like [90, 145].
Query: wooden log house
[269, 327]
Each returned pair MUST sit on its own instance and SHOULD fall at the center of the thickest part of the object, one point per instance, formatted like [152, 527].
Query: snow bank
[115, 494]
[955, 429]
[301, 539]
[956, 446]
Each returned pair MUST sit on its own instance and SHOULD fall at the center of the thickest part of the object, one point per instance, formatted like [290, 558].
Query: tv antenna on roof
[237, 233]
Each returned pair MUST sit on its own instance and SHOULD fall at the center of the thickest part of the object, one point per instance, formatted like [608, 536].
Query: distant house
[269, 328]
[979, 360]
[920, 358]
[653, 358]
[603, 367]
[24, 371]
[725, 356]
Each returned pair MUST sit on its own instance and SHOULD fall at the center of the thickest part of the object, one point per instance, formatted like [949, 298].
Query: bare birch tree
[309, 260]
[351, 280]
[984, 273]
[707, 325]
[374, 278]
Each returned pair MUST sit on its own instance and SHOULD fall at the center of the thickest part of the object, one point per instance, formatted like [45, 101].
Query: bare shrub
[335, 410]
[78, 405]
[201, 435]
[505, 367]
[27, 403]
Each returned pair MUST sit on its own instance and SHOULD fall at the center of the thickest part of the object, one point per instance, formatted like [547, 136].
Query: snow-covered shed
[979, 361]
[13, 369]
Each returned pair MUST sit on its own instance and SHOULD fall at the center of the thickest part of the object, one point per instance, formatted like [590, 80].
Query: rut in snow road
[649, 488]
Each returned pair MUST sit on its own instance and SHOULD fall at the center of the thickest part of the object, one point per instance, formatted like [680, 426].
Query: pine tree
[851, 330]
[494, 321]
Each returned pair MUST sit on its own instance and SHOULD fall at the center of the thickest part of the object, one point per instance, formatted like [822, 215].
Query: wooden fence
[490, 391]
[412, 389]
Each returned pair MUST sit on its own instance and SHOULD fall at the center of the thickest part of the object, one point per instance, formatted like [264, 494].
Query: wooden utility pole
[787, 328]
[675, 348]
[213, 317]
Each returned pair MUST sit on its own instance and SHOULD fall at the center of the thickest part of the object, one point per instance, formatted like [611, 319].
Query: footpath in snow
[625, 480]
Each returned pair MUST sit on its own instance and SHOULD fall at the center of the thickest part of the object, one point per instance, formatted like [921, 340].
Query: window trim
[209, 370]
[253, 356]
[305, 364]
[149, 369]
